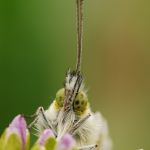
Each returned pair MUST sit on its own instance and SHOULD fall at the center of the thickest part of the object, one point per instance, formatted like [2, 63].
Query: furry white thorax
[93, 131]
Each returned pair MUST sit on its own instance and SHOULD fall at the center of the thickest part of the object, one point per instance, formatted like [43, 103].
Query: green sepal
[27, 146]
[74, 149]
[12, 143]
[2, 140]
[36, 147]
[50, 143]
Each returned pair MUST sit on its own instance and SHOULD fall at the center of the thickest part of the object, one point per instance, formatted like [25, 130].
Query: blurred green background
[38, 44]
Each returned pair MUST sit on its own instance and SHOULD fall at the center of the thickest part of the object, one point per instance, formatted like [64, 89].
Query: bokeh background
[38, 44]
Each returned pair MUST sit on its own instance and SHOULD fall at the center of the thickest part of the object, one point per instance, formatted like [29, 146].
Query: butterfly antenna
[79, 9]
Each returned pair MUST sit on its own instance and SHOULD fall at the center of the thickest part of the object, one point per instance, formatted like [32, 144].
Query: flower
[47, 133]
[46, 141]
[16, 136]
[66, 143]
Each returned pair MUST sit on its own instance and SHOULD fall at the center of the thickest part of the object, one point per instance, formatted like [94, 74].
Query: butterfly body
[93, 130]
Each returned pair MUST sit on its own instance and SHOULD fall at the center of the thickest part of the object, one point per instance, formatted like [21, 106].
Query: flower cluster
[17, 137]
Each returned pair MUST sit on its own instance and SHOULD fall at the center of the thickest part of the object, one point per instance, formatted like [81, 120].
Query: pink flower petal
[66, 142]
[47, 133]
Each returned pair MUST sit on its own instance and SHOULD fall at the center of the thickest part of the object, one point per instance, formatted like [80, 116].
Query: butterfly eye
[80, 103]
[60, 97]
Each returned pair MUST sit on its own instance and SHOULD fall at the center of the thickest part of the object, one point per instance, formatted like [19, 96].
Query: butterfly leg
[79, 123]
[34, 117]
[89, 147]
[41, 112]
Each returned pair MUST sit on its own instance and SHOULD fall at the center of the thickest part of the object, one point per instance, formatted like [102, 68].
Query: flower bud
[46, 141]
[16, 136]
